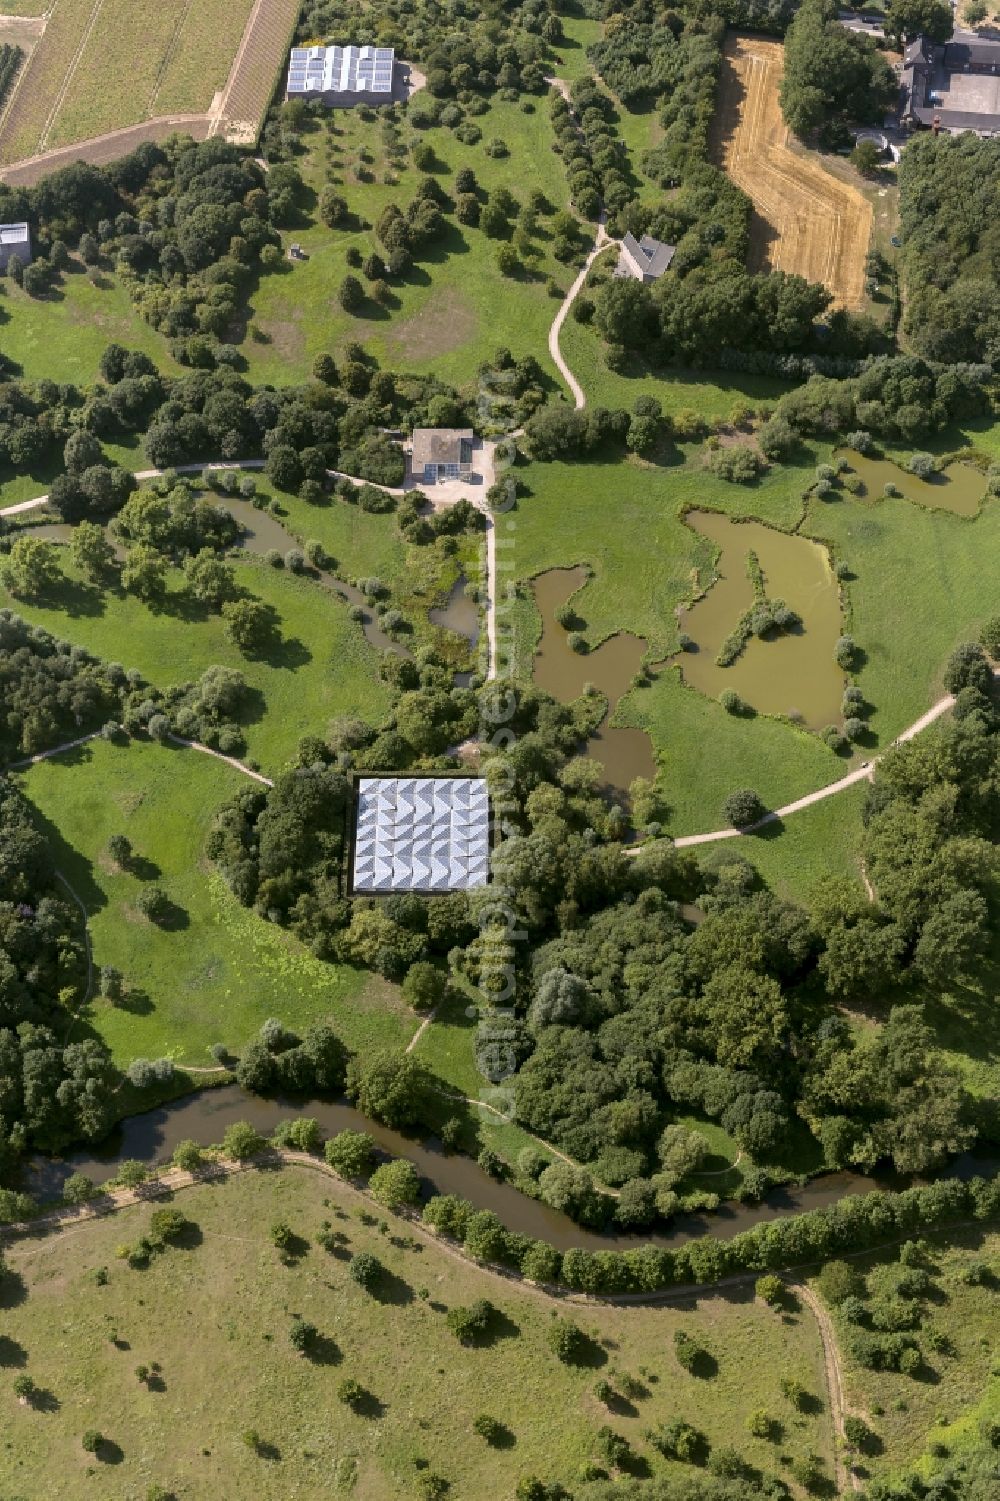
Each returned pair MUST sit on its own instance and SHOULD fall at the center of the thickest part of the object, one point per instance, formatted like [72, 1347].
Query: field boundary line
[20, 77]
[77, 58]
[168, 55]
[221, 113]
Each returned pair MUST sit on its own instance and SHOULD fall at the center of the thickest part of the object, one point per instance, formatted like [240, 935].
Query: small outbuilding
[440, 453]
[15, 239]
[644, 260]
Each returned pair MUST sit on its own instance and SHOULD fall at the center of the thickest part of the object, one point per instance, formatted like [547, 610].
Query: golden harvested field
[102, 65]
[805, 220]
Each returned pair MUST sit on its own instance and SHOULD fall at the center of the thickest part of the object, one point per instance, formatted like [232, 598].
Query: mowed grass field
[214, 1313]
[806, 220]
[215, 971]
[174, 56]
[319, 664]
[453, 308]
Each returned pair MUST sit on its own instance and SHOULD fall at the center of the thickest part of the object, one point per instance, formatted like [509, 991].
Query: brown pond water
[624, 753]
[204, 1116]
[793, 673]
[958, 488]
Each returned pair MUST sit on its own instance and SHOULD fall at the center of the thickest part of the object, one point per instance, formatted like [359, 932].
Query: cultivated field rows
[106, 65]
[806, 221]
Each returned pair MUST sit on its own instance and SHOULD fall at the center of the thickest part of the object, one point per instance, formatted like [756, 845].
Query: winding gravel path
[601, 243]
[863, 773]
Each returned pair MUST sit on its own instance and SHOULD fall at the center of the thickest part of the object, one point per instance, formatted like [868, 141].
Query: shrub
[167, 1225]
[395, 1183]
[488, 1428]
[471, 1323]
[845, 652]
[742, 808]
[366, 1270]
[78, 1188]
[567, 1341]
[241, 1141]
[302, 1335]
[770, 1290]
[687, 1349]
[351, 1153]
[153, 902]
[920, 464]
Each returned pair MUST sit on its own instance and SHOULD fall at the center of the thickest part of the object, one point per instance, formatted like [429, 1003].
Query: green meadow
[213, 971]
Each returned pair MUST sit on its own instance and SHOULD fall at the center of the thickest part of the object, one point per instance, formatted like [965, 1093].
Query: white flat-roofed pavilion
[429, 834]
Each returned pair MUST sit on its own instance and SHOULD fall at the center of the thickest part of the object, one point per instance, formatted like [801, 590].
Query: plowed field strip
[806, 221]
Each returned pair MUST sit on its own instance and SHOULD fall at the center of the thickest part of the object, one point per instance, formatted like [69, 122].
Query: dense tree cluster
[898, 397]
[949, 206]
[49, 689]
[183, 222]
[626, 1019]
[51, 1092]
[833, 77]
[281, 849]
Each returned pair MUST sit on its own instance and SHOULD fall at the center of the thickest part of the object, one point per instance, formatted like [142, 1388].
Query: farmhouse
[15, 239]
[440, 453]
[645, 259]
[954, 87]
[342, 75]
[421, 834]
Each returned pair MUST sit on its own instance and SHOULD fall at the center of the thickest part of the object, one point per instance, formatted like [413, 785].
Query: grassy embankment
[215, 1314]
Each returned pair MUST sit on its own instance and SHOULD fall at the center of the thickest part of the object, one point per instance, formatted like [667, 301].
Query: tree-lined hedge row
[856, 1223]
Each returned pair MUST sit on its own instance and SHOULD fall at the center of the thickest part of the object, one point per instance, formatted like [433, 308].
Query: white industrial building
[429, 834]
[15, 239]
[342, 75]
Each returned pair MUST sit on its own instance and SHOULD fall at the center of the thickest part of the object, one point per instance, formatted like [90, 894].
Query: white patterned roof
[421, 834]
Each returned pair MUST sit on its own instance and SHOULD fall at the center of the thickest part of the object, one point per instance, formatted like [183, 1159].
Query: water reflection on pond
[792, 673]
[958, 488]
[625, 753]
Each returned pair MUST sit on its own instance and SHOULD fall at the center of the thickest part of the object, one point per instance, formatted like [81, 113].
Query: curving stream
[204, 1116]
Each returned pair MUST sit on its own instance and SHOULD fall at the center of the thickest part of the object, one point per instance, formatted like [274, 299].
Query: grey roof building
[15, 239]
[342, 75]
[954, 87]
[441, 453]
[645, 259]
[427, 834]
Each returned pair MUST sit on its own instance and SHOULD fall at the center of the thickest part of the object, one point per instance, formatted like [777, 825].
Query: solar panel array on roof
[341, 70]
[422, 834]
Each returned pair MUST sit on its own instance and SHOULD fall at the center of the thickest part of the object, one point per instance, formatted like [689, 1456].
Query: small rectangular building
[646, 259]
[422, 834]
[342, 75]
[15, 239]
[440, 453]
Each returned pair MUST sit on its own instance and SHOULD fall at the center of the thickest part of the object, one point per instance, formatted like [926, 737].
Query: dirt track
[806, 220]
